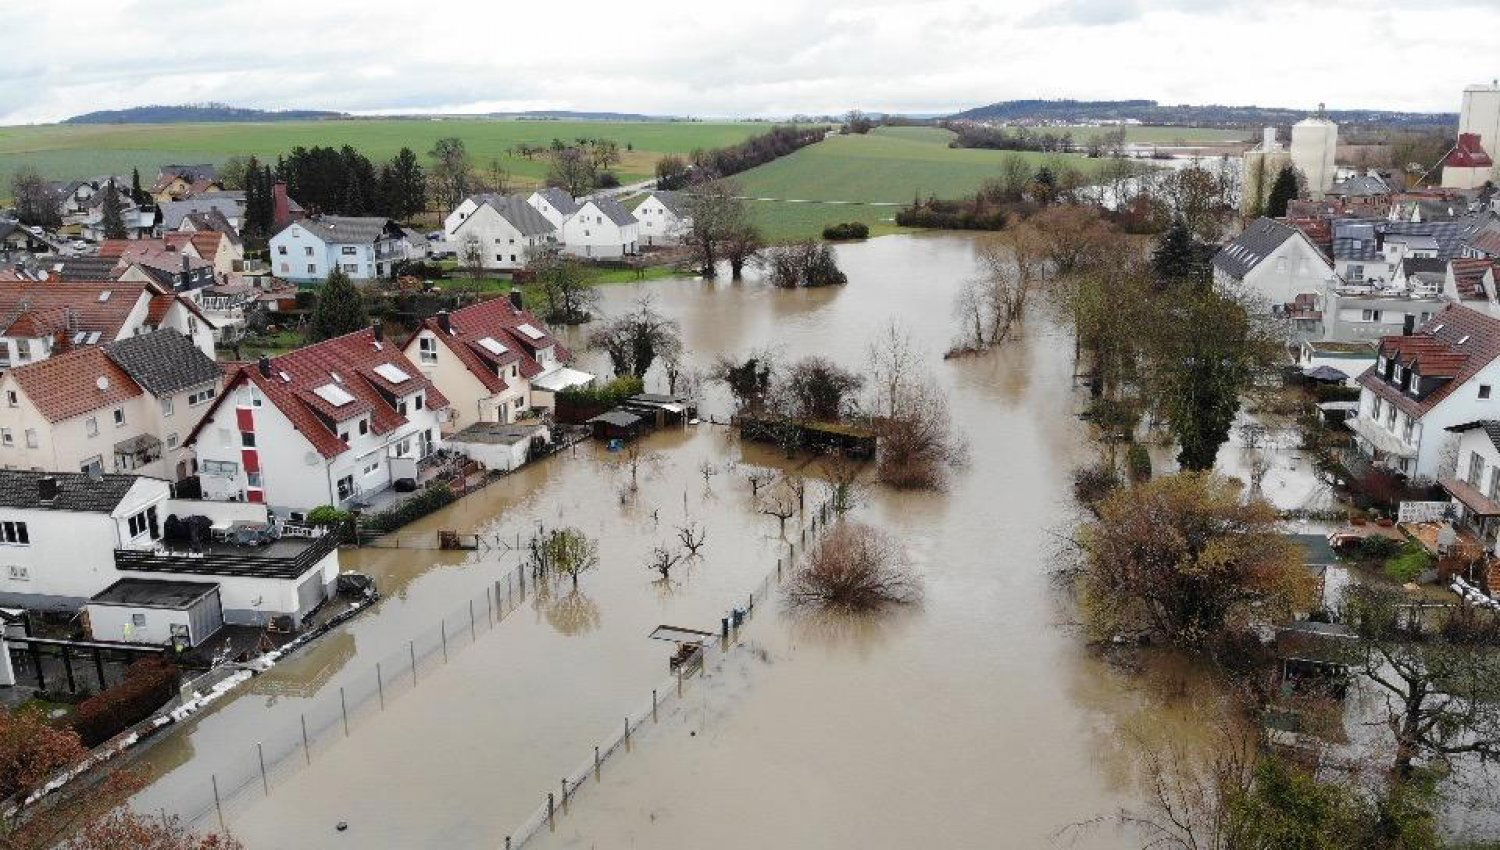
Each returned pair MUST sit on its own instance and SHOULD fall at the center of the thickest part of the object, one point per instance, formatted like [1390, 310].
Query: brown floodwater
[975, 719]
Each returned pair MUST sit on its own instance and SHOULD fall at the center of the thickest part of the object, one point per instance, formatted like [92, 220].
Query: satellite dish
[102, 383]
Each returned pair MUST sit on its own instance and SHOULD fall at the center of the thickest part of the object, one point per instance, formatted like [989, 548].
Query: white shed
[135, 610]
[497, 446]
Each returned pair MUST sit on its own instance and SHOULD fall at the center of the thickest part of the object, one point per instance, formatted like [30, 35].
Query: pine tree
[112, 219]
[137, 194]
[340, 308]
[1283, 192]
[1177, 256]
[407, 189]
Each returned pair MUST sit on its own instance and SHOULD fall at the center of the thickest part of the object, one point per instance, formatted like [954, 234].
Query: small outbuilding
[617, 424]
[155, 611]
[662, 410]
[497, 446]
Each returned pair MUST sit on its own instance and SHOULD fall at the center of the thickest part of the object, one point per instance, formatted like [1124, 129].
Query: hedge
[411, 510]
[149, 684]
[847, 230]
[578, 405]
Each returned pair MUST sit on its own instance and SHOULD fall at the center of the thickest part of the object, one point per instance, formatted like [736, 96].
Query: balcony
[284, 558]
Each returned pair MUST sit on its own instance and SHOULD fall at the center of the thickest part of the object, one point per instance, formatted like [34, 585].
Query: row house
[601, 229]
[1440, 375]
[189, 214]
[40, 318]
[554, 204]
[68, 541]
[1473, 484]
[178, 182]
[504, 231]
[333, 423]
[493, 361]
[665, 218]
[125, 406]
[363, 247]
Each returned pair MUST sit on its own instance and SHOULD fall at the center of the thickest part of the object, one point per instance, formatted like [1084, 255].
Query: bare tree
[472, 257]
[634, 341]
[782, 504]
[572, 170]
[990, 304]
[571, 295]
[916, 443]
[692, 536]
[759, 478]
[36, 201]
[636, 463]
[842, 473]
[708, 470]
[718, 217]
[451, 172]
[854, 567]
[662, 560]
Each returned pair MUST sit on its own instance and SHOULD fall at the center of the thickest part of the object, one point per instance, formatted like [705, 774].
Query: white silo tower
[1480, 115]
[1315, 143]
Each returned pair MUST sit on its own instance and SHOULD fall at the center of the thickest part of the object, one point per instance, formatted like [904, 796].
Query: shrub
[1409, 564]
[1093, 484]
[149, 684]
[607, 180]
[411, 510]
[854, 568]
[607, 394]
[1138, 463]
[328, 515]
[847, 230]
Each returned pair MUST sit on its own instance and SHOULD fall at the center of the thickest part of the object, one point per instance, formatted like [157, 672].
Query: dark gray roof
[560, 200]
[1361, 186]
[496, 434]
[521, 215]
[88, 268]
[164, 361]
[191, 173]
[614, 211]
[617, 418]
[675, 202]
[349, 229]
[1360, 239]
[231, 204]
[1316, 549]
[1246, 251]
[1490, 426]
[154, 593]
[1424, 265]
[75, 491]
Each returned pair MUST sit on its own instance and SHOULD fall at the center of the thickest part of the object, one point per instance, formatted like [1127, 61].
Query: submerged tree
[571, 295]
[564, 552]
[916, 445]
[720, 227]
[634, 341]
[1183, 558]
[808, 263]
[854, 567]
[816, 388]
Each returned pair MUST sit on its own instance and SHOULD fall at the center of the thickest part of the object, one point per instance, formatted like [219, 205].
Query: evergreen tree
[1283, 192]
[259, 205]
[340, 309]
[137, 194]
[1177, 256]
[112, 218]
[406, 189]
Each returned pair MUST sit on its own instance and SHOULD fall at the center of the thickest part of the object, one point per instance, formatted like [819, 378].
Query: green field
[890, 165]
[65, 151]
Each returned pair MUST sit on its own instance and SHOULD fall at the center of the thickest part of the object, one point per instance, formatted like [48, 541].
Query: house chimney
[445, 321]
[61, 341]
[265, 366]
[46, 489]
[1408, 325]
[281, 204]
[378, 330]
[516, 300]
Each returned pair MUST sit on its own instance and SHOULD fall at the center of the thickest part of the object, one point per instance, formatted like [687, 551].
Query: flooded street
[977, 719]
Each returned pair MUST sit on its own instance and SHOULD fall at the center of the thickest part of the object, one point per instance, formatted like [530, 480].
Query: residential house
[364, 247]
[230, 205]
[1473, 484]
[504, 230]
[554, 204]
[18, 241]
[67, 537]
[1278, 264]
[1424, 275]
[333, 423]
[1472, 282]
[603, 229]
[39, 318]
[664, 218]
[488, 359]
[124, 406]
[1467, 166]
[178, 182]
[1368, 251]
[1481, 237]
[1442, 374]
[138, 220]
[174, 261]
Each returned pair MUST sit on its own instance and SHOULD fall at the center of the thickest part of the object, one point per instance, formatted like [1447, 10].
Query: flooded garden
[975, 718]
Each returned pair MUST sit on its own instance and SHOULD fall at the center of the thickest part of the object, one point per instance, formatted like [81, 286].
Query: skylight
[337, 378]
[1463, 339]
[104, 296]
[531, 331]
[391, 372]
[333, 394]
[493, 345]
[285, 378]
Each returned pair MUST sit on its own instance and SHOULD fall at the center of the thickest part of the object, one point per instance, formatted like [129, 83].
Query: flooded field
[975, 720]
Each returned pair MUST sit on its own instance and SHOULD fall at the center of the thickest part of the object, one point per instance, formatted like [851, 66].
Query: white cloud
[771, 57]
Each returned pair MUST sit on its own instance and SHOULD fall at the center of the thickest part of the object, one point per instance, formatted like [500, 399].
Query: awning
[1475, 501]
[560, 379]
[1384, 441]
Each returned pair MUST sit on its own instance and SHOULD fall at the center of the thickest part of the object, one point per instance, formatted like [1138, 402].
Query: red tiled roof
[1454, 344]
[498, 319]
[67, 384]
[354, 357]
[1468, 153]
[161, 303]
[29, 305]
[1485, 236]
[1468, 277]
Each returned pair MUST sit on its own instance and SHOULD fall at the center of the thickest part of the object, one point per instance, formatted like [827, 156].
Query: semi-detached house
[502, 230]
[332, 423]
[1443, 374]
[601, 229]
[664, 218]
[364, 247]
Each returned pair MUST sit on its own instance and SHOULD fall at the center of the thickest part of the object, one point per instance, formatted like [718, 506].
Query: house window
[1390, 418]
[143, 523]
[346, 487]
[252, 479]
[1369, 315]
[1476, 469]
[344, 435]
[91, 426]
[138, 620]
[221, 468]
[31, 438]
[351, 268]
[11, 399]
[347, 250]
[167, 406]
[372, 465]
[207, 394]
[417, 402]
[308, 250]
[1407, 428]
[92, 465]
[281, 249]
[6, 437]
[1484, 390]
[401, 408]
[172, 440]
[312, 269]
[23, 349]
[364, 426]
[247, 439]
[119, 416]
[14, 533]
[427, 349]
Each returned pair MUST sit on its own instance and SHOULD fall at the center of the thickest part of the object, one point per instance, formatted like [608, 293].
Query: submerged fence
[669, 693]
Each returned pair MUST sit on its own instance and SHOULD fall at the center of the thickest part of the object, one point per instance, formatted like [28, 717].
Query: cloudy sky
[758, 58]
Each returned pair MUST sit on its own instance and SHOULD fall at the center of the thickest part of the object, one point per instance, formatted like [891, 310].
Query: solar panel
[334, 395]
[391, 372]
[493, 345]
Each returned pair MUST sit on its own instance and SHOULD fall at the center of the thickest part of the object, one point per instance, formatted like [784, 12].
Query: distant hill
[197, 113]
[1151, 112]
[569, 115]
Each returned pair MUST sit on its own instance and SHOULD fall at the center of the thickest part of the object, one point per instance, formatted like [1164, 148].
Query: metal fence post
[596, 762]
[443, 628]
[489, 607]
[306, 750]
[653, 705]
[679, 681]
[472, 638]
[627, 734]
[380, 685]
[265, 784]
[214, 777]
[344, 708]
[551, 811]
[565, 794]
[412, 646]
